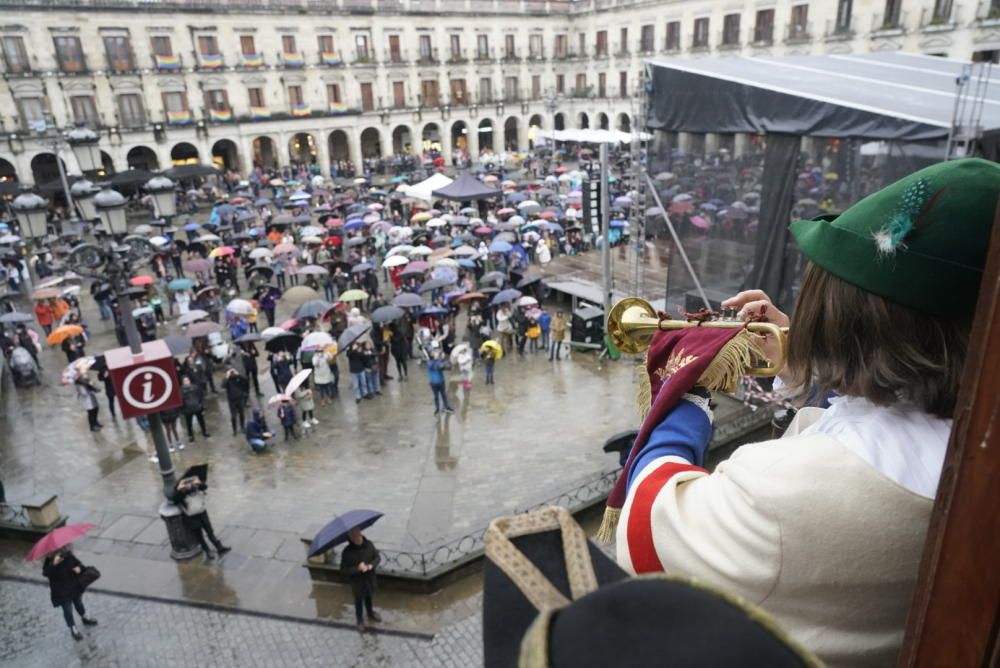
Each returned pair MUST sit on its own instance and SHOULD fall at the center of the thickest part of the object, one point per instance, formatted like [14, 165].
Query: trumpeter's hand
[756, 306]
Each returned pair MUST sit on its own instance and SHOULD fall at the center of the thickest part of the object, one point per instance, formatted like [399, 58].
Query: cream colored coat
[804, 528]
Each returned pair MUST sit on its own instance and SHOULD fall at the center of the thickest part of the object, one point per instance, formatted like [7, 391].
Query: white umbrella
[297, 380]
[258, 253]
[240, 307]
[272, 332]
[395, 261]
[159, 241]
[191, 316]
[317, 340]
[142, 229]
[311, 231]
[446, 262]
[527, 301]
[397, 250]
[421, 250]
[300, 195]
[208, 237]
[517, 220]
[436, 222]
[311, 239]
[526, 203]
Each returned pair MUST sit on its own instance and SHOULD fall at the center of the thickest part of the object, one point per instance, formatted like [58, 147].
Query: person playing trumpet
[824, 527]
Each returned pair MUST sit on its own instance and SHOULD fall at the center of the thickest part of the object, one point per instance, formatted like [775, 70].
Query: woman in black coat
[193, 396]
[359, 560]
[63, 569]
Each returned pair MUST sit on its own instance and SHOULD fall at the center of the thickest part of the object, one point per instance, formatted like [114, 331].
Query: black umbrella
[288, 342]
[262, 269]
[407, 300]
[336, 531]
[350, 335]
[493, 277]
[249, 337]
[387, 314]
[131, 177]
[190, 171]
[312, 309]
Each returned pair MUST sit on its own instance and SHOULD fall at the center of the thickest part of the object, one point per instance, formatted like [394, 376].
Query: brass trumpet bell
[632, 322]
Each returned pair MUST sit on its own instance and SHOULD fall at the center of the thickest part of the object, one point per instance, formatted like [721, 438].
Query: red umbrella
[141, 280]
[57, 538]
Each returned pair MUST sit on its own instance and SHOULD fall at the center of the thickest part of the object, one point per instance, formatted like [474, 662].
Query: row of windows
[131, 112]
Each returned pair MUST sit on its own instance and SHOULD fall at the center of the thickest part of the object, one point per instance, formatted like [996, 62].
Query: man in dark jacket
[189, 496]
[257, 432]
[359, 560]
[249, 355]
[237, 390]
[193, 396]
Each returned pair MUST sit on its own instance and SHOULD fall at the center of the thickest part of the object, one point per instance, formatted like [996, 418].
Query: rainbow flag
[301, 110]
[167, 62]
[220, 115]
[293, 59]
[178, 117]
[253, 60]
[330, 59]
[210, 60]
[338, 108]
[259, 113]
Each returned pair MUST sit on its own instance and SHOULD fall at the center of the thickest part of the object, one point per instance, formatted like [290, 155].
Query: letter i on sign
[147, 387]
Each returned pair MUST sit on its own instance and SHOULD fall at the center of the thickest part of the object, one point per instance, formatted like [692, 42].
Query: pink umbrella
[289, 324]
[334, 222]
[285, 248]
[483, 230]
[418, 265]
[277, 399]
[547, 215]
[506, 211]
[681, 207]
[700, 222]
[57, 538]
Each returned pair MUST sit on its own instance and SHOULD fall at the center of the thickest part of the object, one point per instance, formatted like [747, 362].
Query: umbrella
[45, 293]
[142, 310]
[178, 344]
[354, 295]
[285, 341]
[527, 280]
[58, 538]
[198, 265]
[407, 300]
[200, 329]
[271, 332]
[249, 337]
[316, 341]
[505, 296]
[258, 253]
[299, 294]
[262, 269]
[395, 261]
[181, 284]
[281, 249]
[240, 307]
[387, 314]
[51, 281]
[352, 334]
[313, 270]
[470, 296]
[700, 223]
[191, 316]
[336, 531]
[494, 346]
[500, 246]
[221, 250]
[299, 378]
[75, 369]
[277, 399]
[62, 333]
[434, 284]
[527, 301]
[361, 268]
[492, 277]
[312, 309]
[15, 316]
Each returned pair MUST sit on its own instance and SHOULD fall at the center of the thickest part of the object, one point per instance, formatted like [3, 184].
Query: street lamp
[162, 190]
[111, 205]
[31, 211]
[83, 191]
[83, 142]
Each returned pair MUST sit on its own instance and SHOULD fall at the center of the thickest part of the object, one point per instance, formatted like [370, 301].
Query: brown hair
[853, 342]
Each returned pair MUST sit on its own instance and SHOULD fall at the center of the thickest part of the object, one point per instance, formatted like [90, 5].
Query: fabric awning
[466, 188]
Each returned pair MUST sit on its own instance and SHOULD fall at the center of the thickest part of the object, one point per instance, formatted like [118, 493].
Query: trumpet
[632, 322]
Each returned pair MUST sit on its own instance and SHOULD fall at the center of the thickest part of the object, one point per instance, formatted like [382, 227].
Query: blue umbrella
[617, 223]
[445, 274]
[504, 296]
[553, 227]
[335, 532]
[263, 201]
[190, 227]
[181, 284]
[517, 197]
[352, 225]
[434, 310]
[468, 264]
[408, 300]
[361, 268]
[500, 246]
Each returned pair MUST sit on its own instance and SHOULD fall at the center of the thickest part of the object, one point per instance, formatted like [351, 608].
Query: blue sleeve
[685, 432]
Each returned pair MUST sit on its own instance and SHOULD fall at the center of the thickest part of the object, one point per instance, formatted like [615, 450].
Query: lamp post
[111, 261]
[31, 211]
[551, 104]
[164, 201]
[84, 143]
[83, 191]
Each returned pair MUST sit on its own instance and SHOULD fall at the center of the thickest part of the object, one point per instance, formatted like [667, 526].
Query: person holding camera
[189, 495]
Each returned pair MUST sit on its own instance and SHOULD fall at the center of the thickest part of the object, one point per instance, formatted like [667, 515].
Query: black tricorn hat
[552, 599]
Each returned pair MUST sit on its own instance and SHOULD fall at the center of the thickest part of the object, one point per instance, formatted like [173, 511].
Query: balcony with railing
[292, 59]
[251, 61]
[988, 13]
[762, 36]
[699, 43]
[601, 52]
[209, 62]
[458, 57]
[565, 54]
[888, 25]
[363, 58]
[427, 56]
[536, 55]
[798, 33]
[645, 47]
[621, 51]
[126, 65]
[838, 30]
[73, 65]
[331, 59]
[484, 55]
[171, 63]
[939, 18]
[729, 40]
[511, 56]
[582, 93]
[396, 58]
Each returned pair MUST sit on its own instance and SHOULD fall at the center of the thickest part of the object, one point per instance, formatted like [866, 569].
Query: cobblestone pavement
[139, 633]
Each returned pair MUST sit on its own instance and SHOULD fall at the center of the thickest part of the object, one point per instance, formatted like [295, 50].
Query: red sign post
[146, 382]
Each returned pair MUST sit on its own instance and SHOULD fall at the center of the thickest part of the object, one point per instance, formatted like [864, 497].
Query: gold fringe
[731, 363]
[644, 392]
[606, 532]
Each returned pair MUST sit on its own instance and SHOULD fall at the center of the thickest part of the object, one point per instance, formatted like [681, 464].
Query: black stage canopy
[466, 188]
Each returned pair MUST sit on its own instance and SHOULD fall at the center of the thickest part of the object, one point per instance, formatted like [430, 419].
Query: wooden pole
[954, 619]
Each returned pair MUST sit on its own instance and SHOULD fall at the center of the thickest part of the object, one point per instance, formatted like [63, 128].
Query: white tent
[424, 189]
[592, 136]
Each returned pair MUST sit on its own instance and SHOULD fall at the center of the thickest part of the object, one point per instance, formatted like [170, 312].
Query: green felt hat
[920, 242]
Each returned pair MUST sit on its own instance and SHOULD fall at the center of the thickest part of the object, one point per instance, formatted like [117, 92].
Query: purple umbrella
[335, 532]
